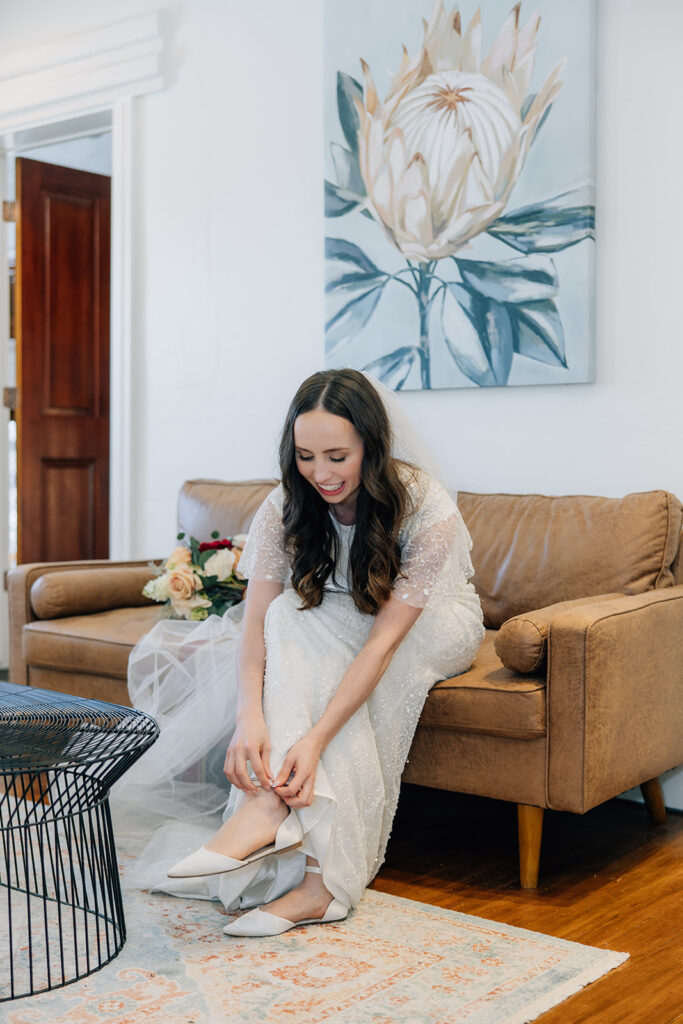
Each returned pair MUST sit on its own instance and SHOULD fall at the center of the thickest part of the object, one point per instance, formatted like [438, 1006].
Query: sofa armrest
[19, 583]
[615, 697]
[521, 643]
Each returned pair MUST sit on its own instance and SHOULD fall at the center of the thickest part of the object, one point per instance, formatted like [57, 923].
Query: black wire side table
[61, 908]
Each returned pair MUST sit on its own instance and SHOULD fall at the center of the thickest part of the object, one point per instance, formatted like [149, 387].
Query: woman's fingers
[229, 767]
[285, 771]
[299, 792]
[258, 768]
[265, 757]
[304, 796]
[241, 774]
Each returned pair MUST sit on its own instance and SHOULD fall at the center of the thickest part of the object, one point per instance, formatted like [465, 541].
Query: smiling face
[329, 455]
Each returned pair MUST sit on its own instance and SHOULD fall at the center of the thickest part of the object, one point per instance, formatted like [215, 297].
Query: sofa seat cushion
[488, 698]
[530, 551]
[98, 644]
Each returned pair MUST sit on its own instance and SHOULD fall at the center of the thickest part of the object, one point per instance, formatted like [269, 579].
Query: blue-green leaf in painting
[349, 252]
[549, 226]
[348, 91]
[338, 201]
[394, 368]
[345, 324]
[477, 332]
[347, 170]
[354, 281]
[524, 279]
[538, 333]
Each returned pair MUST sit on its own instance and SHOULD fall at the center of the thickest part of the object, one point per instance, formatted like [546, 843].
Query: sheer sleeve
[436, 545]
[264, 556]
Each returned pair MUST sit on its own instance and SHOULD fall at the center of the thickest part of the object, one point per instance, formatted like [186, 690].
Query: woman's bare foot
[253, 825]
[309, 898]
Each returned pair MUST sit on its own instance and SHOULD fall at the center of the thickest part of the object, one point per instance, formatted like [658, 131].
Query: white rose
[220, 564]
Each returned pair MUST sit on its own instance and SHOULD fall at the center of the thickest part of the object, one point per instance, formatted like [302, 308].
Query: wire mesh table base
[60, 894]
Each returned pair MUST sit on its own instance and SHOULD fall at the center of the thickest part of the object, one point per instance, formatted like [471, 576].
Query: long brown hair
[383, 499]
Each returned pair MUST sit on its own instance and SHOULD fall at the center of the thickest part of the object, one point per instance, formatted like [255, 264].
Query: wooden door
[62, 303]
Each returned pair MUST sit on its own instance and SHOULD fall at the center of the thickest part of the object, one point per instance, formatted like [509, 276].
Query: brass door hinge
[9, 400]
[9, 211]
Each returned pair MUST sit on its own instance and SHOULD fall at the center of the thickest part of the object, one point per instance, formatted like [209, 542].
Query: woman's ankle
[264, 798]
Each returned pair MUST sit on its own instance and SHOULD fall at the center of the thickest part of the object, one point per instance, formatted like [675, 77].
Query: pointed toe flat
[208, 862]
[259, 923]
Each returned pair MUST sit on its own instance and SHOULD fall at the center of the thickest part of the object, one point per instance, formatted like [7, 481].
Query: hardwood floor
[608, 878]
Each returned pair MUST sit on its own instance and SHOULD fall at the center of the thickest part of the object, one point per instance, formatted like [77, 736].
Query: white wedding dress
[184, 674]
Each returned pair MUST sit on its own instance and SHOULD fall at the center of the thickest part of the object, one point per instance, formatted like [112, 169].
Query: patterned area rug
[393, 961]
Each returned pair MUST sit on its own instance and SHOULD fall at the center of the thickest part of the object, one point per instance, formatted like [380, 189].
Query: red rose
[215, 545]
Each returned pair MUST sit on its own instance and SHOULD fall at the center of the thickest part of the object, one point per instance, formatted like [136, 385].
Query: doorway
[71, 479]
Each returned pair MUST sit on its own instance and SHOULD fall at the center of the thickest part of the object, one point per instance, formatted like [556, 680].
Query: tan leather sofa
[582, 596]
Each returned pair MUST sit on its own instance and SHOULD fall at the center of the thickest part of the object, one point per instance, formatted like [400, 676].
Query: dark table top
[45, 729]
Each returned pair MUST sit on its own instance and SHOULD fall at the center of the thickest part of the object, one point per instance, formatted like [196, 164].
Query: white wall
[229, 291]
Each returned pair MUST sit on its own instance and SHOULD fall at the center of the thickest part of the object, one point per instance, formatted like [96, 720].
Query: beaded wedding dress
[175, 798]
[185, 674]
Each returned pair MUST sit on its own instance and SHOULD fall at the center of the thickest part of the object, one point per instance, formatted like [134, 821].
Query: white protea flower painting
[432, 165]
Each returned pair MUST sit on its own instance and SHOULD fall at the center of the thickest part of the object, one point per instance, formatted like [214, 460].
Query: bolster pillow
[82, 591]
[521, 643]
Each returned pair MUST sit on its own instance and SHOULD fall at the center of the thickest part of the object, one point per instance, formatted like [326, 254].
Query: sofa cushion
[488, 698]
[98, 644]
[79, 591]
[521, 643]
[229, 507]
[530, 551]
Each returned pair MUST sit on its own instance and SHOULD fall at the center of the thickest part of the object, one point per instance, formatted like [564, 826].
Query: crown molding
[86, 72]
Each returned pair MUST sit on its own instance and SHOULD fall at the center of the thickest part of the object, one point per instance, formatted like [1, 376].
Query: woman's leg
[308, 899]
[253, 825]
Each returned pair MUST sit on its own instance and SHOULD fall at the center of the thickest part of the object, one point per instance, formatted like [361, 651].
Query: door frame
[42, 89]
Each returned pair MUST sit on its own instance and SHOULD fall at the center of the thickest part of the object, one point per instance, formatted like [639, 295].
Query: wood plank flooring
[608, 878]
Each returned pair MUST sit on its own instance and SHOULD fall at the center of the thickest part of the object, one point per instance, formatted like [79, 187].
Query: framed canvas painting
[459, 191]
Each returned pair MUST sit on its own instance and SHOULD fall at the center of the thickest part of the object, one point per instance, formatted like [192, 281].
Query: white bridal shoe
[260, 922]
[208, 862]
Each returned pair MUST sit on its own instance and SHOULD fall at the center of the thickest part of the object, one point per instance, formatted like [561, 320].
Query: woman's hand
[302, 763]
[250, 741]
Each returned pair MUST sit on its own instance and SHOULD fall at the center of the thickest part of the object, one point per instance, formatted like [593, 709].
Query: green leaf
[349, 252]
[338, 201]
[348, 92]
[357, 281]
[180, 536]
[523, 279]
[394, 368]
[351, 319]
[347, 170]
[538, 332]
[483, 352]
[551, 225]
[215, 534]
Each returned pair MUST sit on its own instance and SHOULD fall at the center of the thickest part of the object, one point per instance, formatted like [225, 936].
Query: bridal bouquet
[200, 580]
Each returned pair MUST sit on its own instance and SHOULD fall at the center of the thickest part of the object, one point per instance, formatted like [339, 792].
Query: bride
[358, 602]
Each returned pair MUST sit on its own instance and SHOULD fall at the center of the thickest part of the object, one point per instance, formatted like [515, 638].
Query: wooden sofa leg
[530, 829]
[654, 800]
